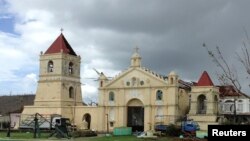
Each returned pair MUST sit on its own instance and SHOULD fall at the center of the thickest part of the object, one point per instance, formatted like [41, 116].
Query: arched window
[86, 119]
[240, 106]
[171, 80]
[71, 92]
[201, 105]
[111, 96]
[101, 83]
[228, 106]
[70, 68]
[159, 95]
[50, 66]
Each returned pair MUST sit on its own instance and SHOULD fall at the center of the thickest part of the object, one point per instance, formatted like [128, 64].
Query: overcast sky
[169, 33]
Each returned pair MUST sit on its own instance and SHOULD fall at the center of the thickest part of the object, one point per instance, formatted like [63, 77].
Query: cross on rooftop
[61, 30]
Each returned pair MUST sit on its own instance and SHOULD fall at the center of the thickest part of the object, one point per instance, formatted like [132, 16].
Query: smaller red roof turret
[205, 80]
[60, 45]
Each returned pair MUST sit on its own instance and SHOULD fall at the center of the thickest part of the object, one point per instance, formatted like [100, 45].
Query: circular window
[128, 83]
[142, 82]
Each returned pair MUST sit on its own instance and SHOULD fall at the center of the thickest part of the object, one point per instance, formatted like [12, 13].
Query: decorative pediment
[137, 77]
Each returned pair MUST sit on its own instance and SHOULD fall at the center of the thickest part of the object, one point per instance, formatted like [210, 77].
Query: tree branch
[227, 76]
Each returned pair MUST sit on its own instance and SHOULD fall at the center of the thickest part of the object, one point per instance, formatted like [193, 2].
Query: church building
[137, 97]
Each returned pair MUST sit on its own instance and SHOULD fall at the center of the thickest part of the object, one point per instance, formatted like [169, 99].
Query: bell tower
[204, 102]
[59, 77]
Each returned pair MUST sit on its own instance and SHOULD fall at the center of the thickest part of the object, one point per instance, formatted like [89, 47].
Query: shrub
[173, 130]
[83, 133]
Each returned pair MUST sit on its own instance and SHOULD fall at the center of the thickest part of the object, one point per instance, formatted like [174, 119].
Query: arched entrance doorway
[201, 104]
[87, 118]
[135, 115]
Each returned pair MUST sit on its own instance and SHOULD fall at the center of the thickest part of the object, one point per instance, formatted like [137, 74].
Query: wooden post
[8, 132]
[107, 123]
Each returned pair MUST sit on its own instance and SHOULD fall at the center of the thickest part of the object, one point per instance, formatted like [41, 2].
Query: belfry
[59, 86]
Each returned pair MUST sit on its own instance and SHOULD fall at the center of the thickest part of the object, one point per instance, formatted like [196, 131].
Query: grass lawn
[132, 138]
[121, 138]
[22, 135]
[44, 136]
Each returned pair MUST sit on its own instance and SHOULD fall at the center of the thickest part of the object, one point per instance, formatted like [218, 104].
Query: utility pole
[107, 123]
[36, 125]
[8, 133]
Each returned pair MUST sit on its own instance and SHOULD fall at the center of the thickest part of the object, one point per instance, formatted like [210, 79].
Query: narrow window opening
[171, 80]
[159, 95]
[111, 96]
[50, 66]
[71, 92]
[70, 68]
[101, 84]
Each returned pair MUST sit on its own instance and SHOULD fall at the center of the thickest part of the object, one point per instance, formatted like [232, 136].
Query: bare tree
[244, 58]
[228, 74]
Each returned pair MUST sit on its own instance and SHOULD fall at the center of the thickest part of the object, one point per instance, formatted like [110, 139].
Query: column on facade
[147, 117]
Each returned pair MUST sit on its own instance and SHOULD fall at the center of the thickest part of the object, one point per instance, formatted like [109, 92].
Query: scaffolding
[36, 122]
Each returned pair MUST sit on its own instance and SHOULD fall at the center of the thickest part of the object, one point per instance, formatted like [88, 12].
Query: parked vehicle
[189, 128]
[62, 128]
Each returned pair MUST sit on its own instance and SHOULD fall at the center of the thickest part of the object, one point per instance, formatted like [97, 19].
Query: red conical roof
[60, 45]
[205, 80]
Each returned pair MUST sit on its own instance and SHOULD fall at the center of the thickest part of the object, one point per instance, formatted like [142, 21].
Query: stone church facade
[137, 97]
